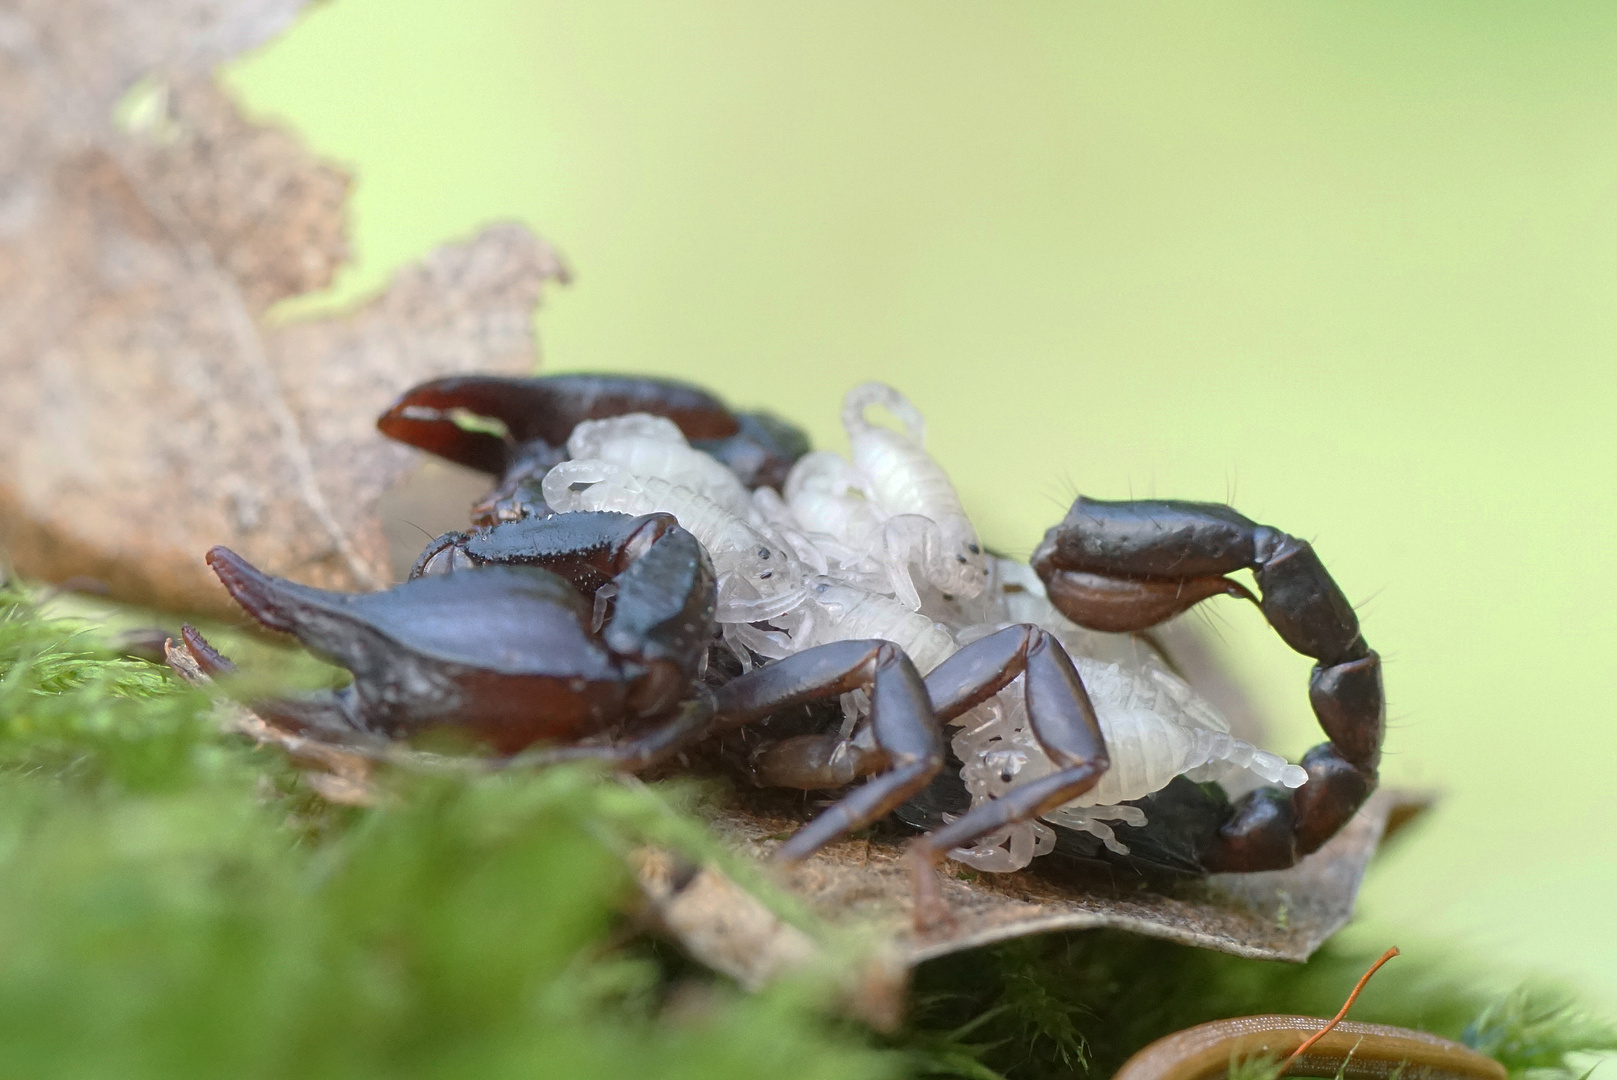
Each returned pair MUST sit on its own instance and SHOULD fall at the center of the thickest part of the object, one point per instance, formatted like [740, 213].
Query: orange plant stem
[1346, 1005]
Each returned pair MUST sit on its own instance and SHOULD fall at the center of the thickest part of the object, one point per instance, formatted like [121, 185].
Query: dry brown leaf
[64, 65]
[149, 411]
[864, 887]
[1281, 915]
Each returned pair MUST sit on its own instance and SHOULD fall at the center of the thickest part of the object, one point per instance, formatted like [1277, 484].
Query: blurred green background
[1350, 267]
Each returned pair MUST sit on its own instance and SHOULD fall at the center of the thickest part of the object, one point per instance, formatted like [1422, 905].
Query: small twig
[1337, 1019]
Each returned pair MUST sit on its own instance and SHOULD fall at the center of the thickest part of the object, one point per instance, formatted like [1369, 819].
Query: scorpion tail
[1124, 566]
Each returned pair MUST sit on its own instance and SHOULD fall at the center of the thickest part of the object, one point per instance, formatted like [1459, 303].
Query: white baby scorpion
[904, 480]
[891, 508]
[653, 446]
[840, 612]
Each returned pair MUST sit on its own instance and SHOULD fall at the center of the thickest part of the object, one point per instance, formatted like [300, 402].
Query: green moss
[174, 903]
[1541, 1034]
[1081, 1004]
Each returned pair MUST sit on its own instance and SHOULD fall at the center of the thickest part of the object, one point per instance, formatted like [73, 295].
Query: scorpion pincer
[517, 429]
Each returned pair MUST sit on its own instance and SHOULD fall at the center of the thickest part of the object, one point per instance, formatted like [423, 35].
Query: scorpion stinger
[1130, 565]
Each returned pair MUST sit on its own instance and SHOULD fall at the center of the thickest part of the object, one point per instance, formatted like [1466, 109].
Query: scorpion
[561, 629]
[831, 505]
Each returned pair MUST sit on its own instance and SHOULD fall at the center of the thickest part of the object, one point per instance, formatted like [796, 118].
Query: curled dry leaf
[150, 412]
[864, 884]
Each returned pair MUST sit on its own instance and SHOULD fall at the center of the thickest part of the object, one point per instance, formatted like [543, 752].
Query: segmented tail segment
[863, 396]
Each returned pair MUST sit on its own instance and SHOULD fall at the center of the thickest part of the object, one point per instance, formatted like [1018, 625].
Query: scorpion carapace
[587, 632]
[1126, 566]
[533, 417]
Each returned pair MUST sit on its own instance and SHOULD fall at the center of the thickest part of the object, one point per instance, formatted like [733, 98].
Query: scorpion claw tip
[210, 660]
[248, 586]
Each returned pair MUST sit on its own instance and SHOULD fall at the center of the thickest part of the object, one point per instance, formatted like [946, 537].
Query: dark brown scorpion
[586, 635]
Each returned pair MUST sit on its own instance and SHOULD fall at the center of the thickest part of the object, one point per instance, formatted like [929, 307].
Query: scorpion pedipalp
[502, 652]
[434, 415]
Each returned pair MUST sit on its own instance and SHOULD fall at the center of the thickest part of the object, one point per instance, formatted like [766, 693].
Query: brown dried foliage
[150, 411]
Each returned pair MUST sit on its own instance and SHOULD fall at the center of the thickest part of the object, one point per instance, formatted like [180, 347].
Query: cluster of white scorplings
[877, 545]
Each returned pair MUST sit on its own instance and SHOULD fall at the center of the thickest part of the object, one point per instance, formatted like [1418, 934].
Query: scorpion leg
[1059, 711]
[1126, 566]
[909, 739]
[690, 724]
[1063, 721]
